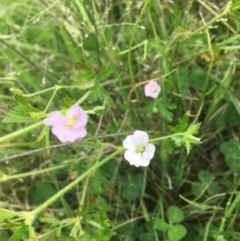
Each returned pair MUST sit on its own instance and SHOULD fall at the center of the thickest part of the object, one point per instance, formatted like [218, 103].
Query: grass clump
[100, 55]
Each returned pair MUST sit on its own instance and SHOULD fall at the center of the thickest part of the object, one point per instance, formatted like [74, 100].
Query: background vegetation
[101, 53]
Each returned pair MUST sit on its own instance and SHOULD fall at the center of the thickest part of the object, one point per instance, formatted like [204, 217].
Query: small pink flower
[152, 89]
[70, 127]
[139, 152]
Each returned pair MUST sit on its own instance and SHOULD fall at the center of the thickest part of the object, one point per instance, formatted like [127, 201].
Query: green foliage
[227, 119]
[56, 55]
[22, 113]
[206, 179]
[175, 214]
[105, 233]
[199, 205]
[131, 187]
[175, 232]
[231, 150]
[41, 191]
[17, 236]
[6, 214]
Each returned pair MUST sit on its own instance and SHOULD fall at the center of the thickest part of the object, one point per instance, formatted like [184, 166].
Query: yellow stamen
[140, 149]
[154, 90]
[71, 121]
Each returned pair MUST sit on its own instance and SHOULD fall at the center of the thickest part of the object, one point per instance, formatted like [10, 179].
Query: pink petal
[74, 134]
[132, 156]
[53, 118]
[129, 144]
[81, 120]
[142, 162]
[152, 89]
[80, 114]
[140, 138]
[149, 151]
[59, 131]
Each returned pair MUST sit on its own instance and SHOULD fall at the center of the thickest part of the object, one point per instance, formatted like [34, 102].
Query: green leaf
[17, 236]
[193, 129]
[213, 189]
[16, 117]
[200, 206]
[235, 6]
[105, 232]
[181, 126]
[27, 108]
[20, 99]
[6, 214]
[105, 72]
[230, 233]
[197, 188]
[43, 133]
[188, 146]
[68, 101]
[41, 192]
[37, 115]
[132, 187]
[234, 99]
[232, 116]
[165, 110]
[176, 232]
[160, 224]
[175, 214]
[231, 149]
[205, 176]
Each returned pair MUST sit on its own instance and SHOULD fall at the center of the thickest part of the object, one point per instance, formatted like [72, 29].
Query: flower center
[140, 149]
[154, 89]
[71, 121]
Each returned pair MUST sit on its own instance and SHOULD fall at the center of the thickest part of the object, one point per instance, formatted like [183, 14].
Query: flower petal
[59, 131]
[132, 156]
[80, 115]
[152, 89]
[140, 138]
[129, 144]
[53, 118]
[80, 133]
[149, 151]
[142, 162]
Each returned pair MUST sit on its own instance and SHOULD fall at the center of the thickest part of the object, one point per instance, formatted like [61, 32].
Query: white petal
[149, 151]
[132, 156]
[142, 162]
[140, 138]
[129, 144]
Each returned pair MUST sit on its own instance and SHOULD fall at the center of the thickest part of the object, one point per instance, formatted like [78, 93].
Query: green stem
[232, 207]
[166, 137]
[33, 173]
[132, 38]
[39, 92]
[236, 47]
[224, 13]
[56, 88]
[81, 100]
[20, 132]
[74, 183]
[51, 99]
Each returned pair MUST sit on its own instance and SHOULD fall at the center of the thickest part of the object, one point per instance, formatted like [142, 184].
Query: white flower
[139, 152]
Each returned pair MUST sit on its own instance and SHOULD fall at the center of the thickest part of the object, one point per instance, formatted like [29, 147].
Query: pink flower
[139, 152]
[152, 89]
[70, 127]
